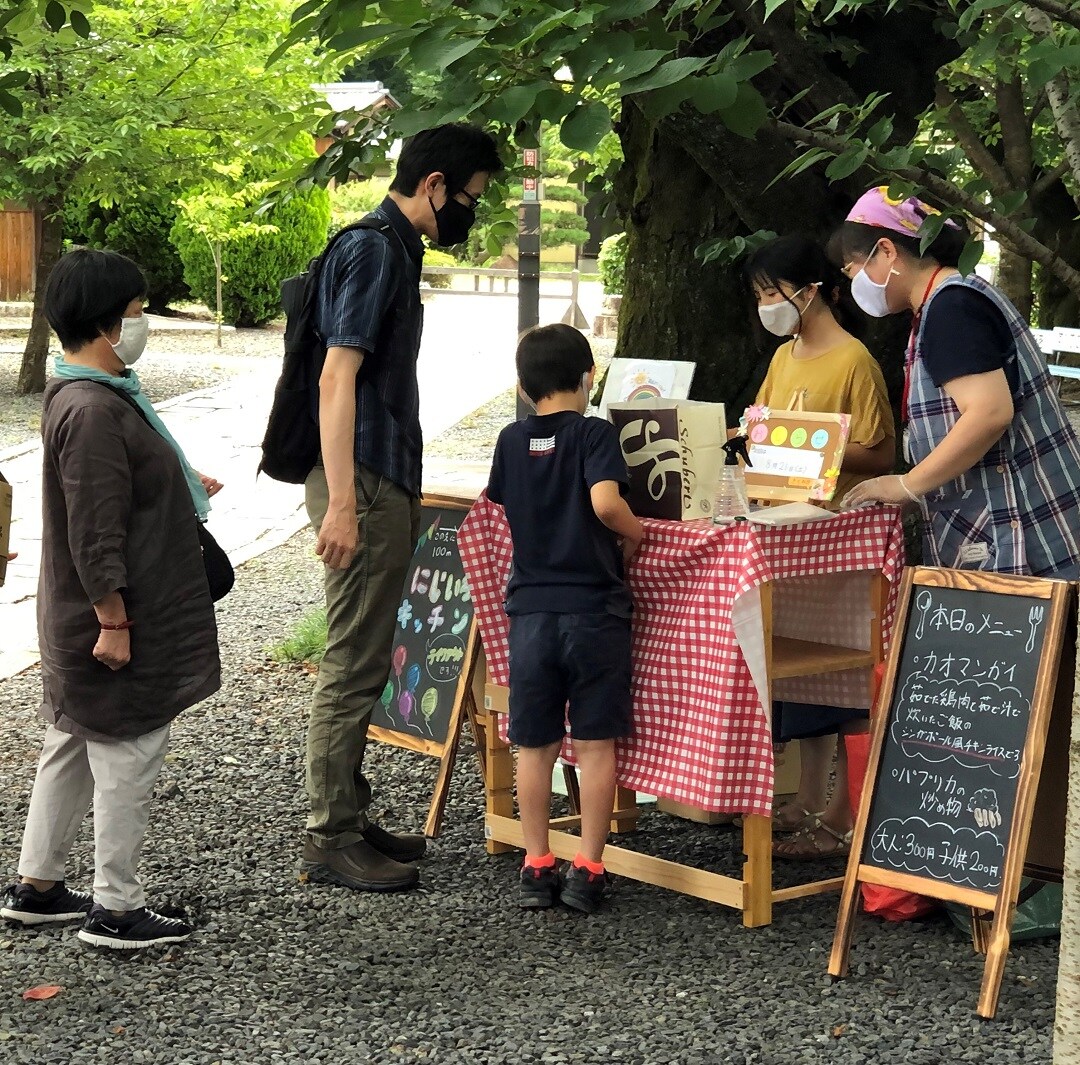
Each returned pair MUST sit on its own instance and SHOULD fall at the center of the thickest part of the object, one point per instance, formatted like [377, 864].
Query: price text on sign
[959, 718]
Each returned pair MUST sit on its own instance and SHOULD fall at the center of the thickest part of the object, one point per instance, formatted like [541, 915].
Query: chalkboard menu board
[971, 693]
[432, 636]
[946, 788]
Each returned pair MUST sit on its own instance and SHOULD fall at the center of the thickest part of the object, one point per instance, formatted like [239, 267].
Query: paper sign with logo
[673, 451]
[634, 379]
[796, 455]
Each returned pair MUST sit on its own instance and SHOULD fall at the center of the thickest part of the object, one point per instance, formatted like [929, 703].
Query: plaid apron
[1017, 510]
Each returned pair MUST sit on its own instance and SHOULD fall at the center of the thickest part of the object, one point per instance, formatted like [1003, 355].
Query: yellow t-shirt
[844, 380]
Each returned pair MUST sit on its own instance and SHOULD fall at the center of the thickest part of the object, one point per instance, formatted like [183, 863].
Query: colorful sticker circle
[819, 439]
[759, 433]
[798, 437]
[779, 435]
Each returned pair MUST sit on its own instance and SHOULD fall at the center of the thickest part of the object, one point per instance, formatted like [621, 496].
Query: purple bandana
[877, 208]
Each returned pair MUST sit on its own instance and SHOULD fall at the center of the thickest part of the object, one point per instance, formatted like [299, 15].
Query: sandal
[813, 842]
[784, 824]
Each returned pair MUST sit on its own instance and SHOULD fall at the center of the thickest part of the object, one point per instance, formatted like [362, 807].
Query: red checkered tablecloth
[701, 734]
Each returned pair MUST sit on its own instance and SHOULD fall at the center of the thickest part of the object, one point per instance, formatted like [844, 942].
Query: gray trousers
[119, 777]
[361, 612]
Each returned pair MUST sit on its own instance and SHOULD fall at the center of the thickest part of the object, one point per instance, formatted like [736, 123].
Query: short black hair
[552, 358]
[87, 293]
[456, 150]
[856, 239]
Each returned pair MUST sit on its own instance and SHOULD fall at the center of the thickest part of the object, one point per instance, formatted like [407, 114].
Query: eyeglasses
[846, 269]
[474, 201]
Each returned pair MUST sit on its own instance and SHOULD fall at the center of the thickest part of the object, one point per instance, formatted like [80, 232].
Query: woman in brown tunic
[126, 625]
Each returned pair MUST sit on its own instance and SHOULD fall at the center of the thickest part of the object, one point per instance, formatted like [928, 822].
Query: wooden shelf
[800, 658]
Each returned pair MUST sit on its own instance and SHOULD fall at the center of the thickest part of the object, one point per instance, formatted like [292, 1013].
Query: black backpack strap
[116, 392]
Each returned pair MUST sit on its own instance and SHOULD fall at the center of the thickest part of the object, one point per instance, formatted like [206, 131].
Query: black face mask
[453, 221]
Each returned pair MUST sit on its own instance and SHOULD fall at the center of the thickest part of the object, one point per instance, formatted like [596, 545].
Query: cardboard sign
[794, 455]
[5, 526]
[628, 380]
[436, 647]
[958, 749]
[673, 452]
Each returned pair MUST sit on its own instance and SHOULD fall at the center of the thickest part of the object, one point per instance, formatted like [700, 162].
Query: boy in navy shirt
[561, 477]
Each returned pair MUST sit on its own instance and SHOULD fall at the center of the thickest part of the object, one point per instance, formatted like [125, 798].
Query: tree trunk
[50, 244]
[1067, 1018]
[1015, 280]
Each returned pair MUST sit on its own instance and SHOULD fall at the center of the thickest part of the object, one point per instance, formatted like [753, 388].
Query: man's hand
[339, 537]
[211, 485]
[14, 555]
[113, 648]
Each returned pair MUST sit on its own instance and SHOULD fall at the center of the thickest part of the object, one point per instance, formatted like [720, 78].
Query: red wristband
[117, 628]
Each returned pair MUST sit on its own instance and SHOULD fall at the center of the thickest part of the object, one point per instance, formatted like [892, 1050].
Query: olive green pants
[361, 611]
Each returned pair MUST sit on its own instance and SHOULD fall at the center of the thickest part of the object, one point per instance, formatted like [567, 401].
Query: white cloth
[119, 777]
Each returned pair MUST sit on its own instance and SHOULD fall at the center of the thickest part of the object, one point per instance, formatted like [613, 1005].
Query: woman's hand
[211, 485]
[113, 648]
[877, 490]
[14, 555]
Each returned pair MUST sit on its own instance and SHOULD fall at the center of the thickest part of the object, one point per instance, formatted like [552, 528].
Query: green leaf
[668, 73]
[358, 35]
[1051, 62]
[747, 115]
[772, 5]
[515, 102]
[80, 24]
[750, 64]
[799, 164]
[713, 92]
[437, 48]
[11, 104]
[970, 257]
[585, 125]
[1012, 201]
[632, 65]
[55, 15]
[846, 164]
[621, 10]
[880, 131]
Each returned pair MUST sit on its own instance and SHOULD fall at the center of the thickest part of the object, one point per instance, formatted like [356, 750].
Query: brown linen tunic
[117, 515]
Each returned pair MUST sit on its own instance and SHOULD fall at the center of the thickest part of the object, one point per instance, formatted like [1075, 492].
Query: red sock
[546, 862]
[583, 863]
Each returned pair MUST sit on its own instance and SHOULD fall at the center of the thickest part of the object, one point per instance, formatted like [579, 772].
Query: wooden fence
[18, 242]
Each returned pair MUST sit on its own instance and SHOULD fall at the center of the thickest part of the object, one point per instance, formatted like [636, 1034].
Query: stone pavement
[467, 358]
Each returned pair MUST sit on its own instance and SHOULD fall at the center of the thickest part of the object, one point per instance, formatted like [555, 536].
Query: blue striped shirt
[369, 298]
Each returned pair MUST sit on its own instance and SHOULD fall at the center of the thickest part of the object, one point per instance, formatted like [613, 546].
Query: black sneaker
[539, 887]
[135, 930]
[28, 906]
[582, 889]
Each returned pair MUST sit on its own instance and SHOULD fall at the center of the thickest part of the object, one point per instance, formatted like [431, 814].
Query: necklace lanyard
[910, 355]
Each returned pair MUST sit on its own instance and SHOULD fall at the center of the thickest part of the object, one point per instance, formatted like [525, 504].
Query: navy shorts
[583, 659]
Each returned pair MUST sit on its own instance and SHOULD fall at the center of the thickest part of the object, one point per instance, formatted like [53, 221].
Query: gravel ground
[282, 971]
[176, 363]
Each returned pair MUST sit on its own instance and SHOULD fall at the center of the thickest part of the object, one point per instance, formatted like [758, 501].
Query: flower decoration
[757, 412]
[832, 473]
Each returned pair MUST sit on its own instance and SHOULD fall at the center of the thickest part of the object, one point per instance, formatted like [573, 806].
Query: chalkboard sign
[946, 788]
[958, 742]
[436, 645]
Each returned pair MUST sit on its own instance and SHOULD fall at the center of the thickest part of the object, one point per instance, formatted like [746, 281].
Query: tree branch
[1049, 179]
[1015, 132]
[972, 143]
[1022, 241]
[1056, 9]
[1066, 115]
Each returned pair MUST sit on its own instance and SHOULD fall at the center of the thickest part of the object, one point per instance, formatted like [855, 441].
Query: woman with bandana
[822, 368]
[995, 464]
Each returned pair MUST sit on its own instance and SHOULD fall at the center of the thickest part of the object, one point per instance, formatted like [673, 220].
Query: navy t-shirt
[966, 334]
[566, 561]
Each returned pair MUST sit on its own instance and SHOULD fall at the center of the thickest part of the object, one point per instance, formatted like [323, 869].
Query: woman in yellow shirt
[823, 368]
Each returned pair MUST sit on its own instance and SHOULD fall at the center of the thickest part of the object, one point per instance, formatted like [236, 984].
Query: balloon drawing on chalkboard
[405, 706]
[387, 696]
[429, 703]
[400, 654]
[413, 677]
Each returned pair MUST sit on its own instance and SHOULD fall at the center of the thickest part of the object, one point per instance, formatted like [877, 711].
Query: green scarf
[129, 383]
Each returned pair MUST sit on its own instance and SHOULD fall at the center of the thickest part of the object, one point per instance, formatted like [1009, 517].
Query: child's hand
[14, 555]
[630, 544]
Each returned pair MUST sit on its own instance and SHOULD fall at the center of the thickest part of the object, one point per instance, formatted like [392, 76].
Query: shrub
[306, 641]
[351, 201]
[137, 225]
[612, 264]
[434, 257]
[254, 266]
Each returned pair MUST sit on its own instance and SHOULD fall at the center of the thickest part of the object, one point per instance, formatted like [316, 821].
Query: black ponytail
[799, 261]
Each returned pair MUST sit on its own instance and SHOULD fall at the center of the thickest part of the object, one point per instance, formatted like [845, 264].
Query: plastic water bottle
[731, 502]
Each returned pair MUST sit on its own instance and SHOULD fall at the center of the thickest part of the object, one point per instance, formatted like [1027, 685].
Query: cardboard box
[496, 698]
[5, 526]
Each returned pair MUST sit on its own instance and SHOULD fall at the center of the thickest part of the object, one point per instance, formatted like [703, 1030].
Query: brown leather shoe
[397, 846]
[359, 867]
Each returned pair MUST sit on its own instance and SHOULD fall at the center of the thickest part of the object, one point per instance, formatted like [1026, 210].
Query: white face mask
[784, 319]
[868, 294]
[132, 342]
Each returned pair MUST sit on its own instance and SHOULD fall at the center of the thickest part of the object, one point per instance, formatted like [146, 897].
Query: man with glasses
[363, 496]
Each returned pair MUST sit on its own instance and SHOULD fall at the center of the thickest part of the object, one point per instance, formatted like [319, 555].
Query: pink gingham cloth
[701, 734]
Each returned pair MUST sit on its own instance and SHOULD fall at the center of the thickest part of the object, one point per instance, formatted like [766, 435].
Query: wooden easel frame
[753, 893]
[446, 751]
[993, 941]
